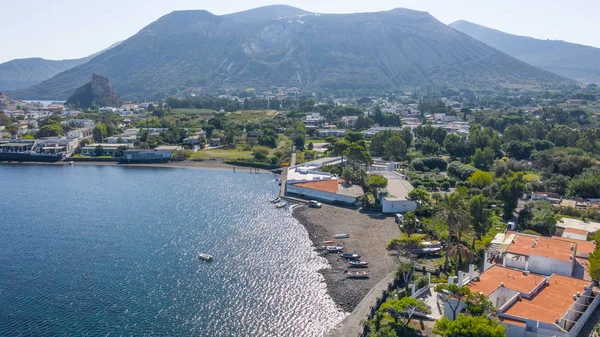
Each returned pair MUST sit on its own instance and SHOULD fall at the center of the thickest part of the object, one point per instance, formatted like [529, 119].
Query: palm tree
[459, 253]
[452, 211]
[410, 223]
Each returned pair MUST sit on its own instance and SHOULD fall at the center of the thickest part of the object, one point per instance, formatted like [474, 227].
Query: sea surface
[43, 102]
[112, 251]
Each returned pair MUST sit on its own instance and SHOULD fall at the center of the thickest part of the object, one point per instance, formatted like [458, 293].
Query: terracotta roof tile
[576, 231]
[554, 248]
[330, 185]
[553, 301]
[513, 279]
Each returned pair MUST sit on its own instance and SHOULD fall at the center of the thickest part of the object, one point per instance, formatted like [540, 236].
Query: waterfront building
[108, 149]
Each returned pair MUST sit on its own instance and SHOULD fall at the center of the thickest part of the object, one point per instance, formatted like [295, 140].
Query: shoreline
[214, 164]
[369, 236]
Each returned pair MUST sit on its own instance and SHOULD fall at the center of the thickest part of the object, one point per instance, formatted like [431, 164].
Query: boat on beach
[350, 256]
[276, 200]
[357, 263]
[205, 257]
[358, 274]
[328, 242]
[341, 236]
[280, 205]
[334, 249]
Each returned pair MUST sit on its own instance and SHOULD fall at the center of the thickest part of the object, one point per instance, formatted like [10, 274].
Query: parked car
[314, 203]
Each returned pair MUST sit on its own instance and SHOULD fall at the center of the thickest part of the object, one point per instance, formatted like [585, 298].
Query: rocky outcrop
[99, 92]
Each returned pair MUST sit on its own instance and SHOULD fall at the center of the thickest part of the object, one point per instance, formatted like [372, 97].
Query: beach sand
[369, 235]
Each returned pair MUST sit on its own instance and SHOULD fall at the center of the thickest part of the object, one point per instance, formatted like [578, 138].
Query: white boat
[334, 249]
[70, 163]
[280, 205]
[341, 236]
[205, 257]
[276, 200]
[358, 274]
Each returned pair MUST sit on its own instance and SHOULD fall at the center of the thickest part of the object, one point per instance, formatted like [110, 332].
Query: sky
[76, 28]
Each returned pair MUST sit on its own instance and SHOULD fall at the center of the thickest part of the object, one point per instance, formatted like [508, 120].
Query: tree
[395, 148]
[357, 155]
[375, 182]
[98, 151]
[469, 326]
[480, 179]
[452, 211]
[511, 189]
[406, 250]
[260, 153]
[410, 223]
[456, 146]
[50, 130]
[586, 184]
[481, 216]
[403, 309]
[209, 128]
[419, 195]
[453, 296]
[483, 159]
[594, 262]
[429, 146]
[99, 133]
[539, 217]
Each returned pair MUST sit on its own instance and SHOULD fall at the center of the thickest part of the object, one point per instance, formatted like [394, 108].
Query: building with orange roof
[312, 184]
[560, 308]
[535, 305]
[574, 233]
[541, 255]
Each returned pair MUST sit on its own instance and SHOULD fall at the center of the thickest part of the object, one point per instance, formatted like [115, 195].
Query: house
[193, 140]
[313, 119]
[215, 142]
[370, 133]
[80, 133]
[574, 233]
[312, 184]
[531, 305]
[396, 198]
[382, 165]
[161, 154]
[122, 138]
[331, 132]
[108, 149]
[541, 255]
[547, 196]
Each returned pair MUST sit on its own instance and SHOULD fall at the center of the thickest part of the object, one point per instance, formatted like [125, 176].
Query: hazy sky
[76, 28]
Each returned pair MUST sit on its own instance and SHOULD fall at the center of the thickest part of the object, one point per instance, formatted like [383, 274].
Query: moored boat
[280, 205]
[334, 249]
[358, 274]
[341, 236]
[357, 263]
[205, 257]
[276, 200]
[328, 242]
[350, 256]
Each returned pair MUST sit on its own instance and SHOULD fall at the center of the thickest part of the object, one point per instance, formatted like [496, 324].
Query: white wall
[321, 195]
[501, 295]
[515, 261]
[547, 266]
[574, 236]
[514, 330]
[397, 206]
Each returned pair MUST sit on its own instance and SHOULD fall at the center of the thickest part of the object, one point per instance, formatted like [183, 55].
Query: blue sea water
[103, 251]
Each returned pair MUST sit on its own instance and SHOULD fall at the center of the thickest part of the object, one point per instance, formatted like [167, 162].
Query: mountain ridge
[25, 72]
[375, 51]
[572, 60]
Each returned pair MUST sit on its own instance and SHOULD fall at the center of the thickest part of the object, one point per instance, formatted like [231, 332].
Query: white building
[541, 255]
[312, 184]
[531, 305]
[331, 132]
[396, 200]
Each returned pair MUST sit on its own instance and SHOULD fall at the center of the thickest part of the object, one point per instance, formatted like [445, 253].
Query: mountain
[259, 48]
[23, 73]
[99, 92]
[579, 62]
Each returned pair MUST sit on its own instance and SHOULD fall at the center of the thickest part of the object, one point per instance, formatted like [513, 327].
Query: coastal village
[430, 213]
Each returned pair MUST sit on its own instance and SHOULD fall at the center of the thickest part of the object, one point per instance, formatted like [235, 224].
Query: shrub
[460, 170]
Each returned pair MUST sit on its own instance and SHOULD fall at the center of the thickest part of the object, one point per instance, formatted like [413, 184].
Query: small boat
[70, 163]
[350, 256]
[276, 200]
[205, 257]
[357, 263]
[334, 249]
[280, 205]
[328, 242]
[341, 236]
[358, 274]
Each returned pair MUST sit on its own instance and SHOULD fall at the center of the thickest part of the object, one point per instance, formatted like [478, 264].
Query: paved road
[351, 327]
